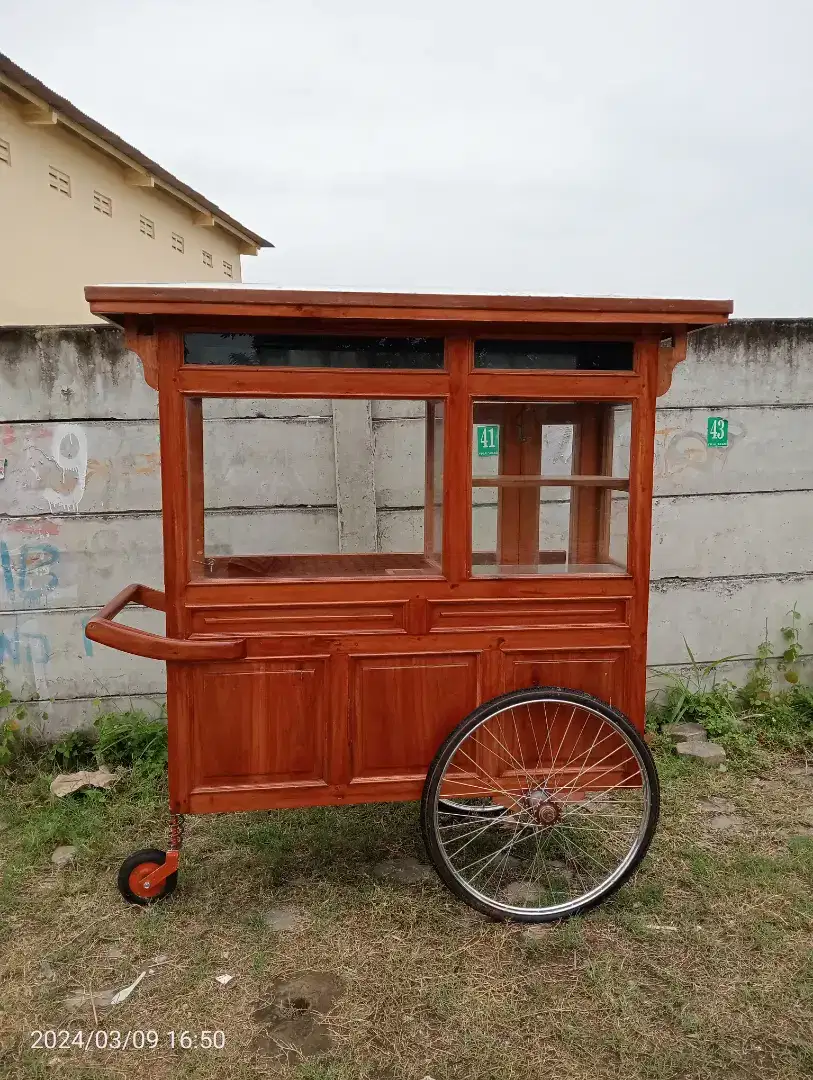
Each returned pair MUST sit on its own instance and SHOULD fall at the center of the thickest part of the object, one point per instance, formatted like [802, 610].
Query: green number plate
[716, 431]
[488, 440]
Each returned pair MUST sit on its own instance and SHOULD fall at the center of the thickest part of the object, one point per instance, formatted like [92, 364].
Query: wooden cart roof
[120, 303]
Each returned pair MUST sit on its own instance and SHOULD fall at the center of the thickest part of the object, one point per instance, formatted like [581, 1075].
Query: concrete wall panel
[768, 450]
[400, 530]
[52, 718]
[731, 527]
[724, 616]
[747, 362]
[272, 532]
[60, 373]
[269, 462]
[732, 535]
[400, 462]
[46, 653]
[115, 467]
[77, 561]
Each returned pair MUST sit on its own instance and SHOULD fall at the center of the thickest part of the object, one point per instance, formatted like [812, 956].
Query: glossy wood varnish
[303, 680]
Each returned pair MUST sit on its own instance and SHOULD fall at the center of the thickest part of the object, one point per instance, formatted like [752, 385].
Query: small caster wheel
[135, 869]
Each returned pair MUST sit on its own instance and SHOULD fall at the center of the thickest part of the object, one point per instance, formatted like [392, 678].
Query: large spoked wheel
[540, 804]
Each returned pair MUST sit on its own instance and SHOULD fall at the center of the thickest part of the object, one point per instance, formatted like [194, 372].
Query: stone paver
[730, 823]
[284, 918]
[684, 730]
[63, 856]
[708, 752]
[521, 894]
[406, 871]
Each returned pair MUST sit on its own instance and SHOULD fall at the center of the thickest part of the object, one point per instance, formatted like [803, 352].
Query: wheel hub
[138, 876]
[544, 810]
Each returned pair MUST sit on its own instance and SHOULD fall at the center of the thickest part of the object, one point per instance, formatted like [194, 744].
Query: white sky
[642, 147]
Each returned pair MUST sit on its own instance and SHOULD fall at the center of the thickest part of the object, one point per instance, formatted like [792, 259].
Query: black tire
[431, 803]
[133, 862]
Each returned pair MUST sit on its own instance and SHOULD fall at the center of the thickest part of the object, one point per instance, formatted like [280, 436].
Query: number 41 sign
[488, 440]
[716, 431]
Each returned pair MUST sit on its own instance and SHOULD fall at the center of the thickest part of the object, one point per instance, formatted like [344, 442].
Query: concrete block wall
[80, 498]
[731, 546]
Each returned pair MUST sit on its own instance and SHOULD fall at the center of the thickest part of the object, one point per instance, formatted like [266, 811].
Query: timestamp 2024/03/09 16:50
[137, 1039]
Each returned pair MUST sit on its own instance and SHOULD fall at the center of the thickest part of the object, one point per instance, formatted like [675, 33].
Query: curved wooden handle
[101, 628]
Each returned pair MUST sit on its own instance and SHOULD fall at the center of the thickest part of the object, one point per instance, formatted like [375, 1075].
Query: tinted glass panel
[555, 355]
[313, 351]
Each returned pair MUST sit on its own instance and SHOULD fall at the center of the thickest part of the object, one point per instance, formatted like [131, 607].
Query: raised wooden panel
[548, 739]
[525, 614]
[403, 707]
[533, 740]
[330, 618]
[261, 724]
[600, 672]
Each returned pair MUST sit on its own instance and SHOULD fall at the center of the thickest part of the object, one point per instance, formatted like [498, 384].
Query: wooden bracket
[142, 341]
[37, 115]
[669, 356]
[134, 177]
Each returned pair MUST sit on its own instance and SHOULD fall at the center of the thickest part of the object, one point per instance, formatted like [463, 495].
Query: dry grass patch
[701, 967]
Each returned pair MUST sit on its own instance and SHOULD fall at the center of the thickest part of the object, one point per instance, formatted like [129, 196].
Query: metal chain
[176, 828]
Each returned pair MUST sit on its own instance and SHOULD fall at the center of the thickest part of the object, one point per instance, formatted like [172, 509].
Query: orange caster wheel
[136, 873]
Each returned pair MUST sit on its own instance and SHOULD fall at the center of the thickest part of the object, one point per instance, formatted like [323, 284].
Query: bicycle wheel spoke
[564, 821]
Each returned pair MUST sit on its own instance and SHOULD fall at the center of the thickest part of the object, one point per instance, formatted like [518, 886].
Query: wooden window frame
[459, 387]
[519, 482]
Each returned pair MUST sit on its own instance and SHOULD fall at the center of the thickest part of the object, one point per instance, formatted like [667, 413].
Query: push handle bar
[103, 629]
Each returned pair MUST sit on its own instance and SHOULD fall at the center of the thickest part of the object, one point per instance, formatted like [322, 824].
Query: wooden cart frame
[314, 685]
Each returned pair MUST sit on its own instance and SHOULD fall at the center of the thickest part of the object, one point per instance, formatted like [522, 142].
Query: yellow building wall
[52, 245]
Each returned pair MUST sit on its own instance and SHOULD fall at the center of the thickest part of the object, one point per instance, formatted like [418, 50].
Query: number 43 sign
[716, 431]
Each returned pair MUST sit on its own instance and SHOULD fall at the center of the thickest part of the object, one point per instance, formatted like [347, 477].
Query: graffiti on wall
[680, 450]
[23, 645]
[69, 450]
[28, 571]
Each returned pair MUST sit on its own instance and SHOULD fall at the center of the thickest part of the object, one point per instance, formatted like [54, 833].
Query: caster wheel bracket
[170, 865]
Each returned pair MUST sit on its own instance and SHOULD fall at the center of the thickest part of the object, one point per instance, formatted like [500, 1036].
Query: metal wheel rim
[564, 909]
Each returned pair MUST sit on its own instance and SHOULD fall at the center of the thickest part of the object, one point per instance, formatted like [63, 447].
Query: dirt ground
[701, 967]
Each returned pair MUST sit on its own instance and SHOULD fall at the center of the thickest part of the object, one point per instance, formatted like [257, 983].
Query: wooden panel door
[539, 739]
[260, 724]
[403, 707]
[601, 672]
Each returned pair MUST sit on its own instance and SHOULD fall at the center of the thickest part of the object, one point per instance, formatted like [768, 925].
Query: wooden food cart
[444, 597]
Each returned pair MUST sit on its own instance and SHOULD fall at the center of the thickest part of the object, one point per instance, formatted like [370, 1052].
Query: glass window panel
[550, 483]
[314, 351]
[309, 488]
[554, 355]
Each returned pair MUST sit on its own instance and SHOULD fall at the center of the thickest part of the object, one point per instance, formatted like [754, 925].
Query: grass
[699, 968]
